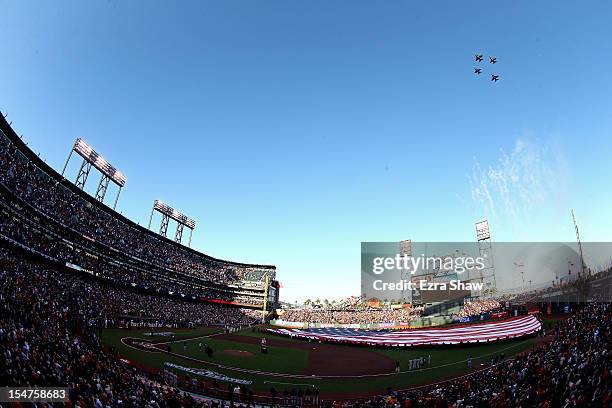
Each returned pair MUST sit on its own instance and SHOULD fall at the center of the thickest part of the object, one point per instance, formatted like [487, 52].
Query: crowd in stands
[50, 322]
[44, 212]
[573, 370]
[115, 305]
[350, 316]
[478, 307]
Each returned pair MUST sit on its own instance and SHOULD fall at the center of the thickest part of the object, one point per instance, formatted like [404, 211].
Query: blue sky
[292, 131]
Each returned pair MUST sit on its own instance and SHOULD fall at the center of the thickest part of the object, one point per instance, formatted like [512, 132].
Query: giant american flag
[453, 334]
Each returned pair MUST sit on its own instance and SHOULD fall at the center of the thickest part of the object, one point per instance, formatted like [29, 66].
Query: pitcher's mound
[239, 353]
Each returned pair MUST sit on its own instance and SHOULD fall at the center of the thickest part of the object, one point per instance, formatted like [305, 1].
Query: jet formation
[492, 60]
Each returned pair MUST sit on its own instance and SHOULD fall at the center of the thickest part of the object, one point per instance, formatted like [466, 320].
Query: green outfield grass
[445, 362]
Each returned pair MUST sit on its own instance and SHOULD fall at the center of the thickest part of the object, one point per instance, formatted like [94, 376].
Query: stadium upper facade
[47, 214]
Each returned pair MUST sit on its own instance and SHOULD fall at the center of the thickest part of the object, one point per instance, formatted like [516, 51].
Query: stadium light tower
[167, 213]
[485, 248]
[405, 249]
[582, 264]
[92, 158]
[519, 269]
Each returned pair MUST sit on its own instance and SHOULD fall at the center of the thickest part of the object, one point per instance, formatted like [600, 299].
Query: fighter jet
[477, 71]
[478, 57]
[492, 60]
[494, 78]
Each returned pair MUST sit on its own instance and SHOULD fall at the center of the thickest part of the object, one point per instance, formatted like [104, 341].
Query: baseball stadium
[102, 310]
[204, 328]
